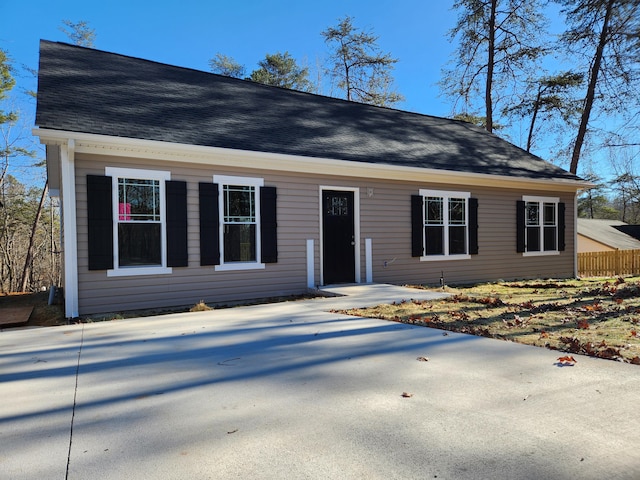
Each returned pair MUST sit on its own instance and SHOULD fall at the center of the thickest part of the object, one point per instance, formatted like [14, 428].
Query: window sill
[540, 254]
[229, 267]
[440, 258]
[135, 271]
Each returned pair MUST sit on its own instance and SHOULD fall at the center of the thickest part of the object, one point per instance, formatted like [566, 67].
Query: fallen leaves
[566, 361]
[406, 395]
[583, 324]
[587, 317]
[600, 350]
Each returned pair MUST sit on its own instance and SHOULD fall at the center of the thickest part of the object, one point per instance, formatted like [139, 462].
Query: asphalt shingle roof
[91, 91]
[614, 233]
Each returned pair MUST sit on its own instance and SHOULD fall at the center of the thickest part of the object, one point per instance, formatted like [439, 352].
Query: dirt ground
[43, 315]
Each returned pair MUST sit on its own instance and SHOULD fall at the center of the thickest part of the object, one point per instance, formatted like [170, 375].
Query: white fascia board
[225, 157]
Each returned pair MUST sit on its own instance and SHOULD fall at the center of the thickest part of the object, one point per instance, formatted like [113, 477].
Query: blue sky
[188, 33]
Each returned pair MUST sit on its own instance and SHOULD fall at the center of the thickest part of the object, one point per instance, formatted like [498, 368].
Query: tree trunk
[591, 90]
[490, 60]
[29, 259]
[534, 116]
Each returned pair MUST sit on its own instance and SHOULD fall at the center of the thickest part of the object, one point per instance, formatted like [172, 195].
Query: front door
[338, 237]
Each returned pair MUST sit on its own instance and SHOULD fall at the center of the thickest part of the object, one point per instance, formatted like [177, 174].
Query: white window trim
[222, 180]
[541, 201]
[446, 195]
[162, 177]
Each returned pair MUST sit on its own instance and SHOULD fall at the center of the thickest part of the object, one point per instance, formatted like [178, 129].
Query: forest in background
[501, 76]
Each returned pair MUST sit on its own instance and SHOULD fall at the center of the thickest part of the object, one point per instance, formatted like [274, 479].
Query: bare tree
[79, 32]
[553, 98]
[606, 33]
[499, 43]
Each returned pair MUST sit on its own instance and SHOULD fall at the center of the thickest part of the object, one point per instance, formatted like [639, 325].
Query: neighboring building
[596, 235]
[178, 186]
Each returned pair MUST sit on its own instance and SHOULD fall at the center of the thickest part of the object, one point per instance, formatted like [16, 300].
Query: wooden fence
[609, 264]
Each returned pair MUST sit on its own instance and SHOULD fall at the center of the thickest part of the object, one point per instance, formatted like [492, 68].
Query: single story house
[595, 235]
[178, 185]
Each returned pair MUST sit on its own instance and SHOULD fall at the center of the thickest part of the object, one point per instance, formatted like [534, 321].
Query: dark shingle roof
[91, 91]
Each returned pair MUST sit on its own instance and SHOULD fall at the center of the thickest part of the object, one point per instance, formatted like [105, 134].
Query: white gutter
[136, 148]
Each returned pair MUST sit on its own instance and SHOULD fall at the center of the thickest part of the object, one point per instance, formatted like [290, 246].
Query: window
[139, 221]
[446, 224]
[239, 205]
[542, 229]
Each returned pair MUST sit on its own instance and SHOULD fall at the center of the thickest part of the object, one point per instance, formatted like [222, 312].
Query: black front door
[338, 237]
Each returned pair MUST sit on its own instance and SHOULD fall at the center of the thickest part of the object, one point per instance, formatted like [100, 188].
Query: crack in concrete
[73, 411]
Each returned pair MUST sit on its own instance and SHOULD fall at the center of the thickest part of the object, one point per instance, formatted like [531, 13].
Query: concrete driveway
[291, 391]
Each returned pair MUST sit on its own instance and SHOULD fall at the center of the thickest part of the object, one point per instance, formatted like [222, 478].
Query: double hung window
[140, 221]
[446, 224]
[541, 225]
[239, 205]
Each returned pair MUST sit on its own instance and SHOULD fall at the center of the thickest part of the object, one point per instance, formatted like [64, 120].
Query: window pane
[337, 206]
[240, 243]
[433, 211]
[239, 203]
[533, 213]
[138, 200]
[533, 239]
[457, 211]
[434, 240]
[139, 244]
[549, 213]
[457, 240]
[550, 237]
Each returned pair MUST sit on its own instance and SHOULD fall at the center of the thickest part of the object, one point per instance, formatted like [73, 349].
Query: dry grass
[600, 317]
[200, 307]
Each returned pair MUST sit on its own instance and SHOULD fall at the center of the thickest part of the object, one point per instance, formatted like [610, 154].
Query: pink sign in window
[124, 211]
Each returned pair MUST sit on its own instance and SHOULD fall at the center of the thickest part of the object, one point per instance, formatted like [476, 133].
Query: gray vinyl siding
[384, 218]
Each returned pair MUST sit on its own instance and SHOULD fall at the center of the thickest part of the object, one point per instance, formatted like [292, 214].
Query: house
[595, 235]
[178, 185]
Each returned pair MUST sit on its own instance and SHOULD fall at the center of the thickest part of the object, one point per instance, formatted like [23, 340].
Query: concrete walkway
[290, 391]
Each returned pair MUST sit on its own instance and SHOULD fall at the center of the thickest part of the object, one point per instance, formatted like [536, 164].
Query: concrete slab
[291, 391]
[366, 295]
[37, 386]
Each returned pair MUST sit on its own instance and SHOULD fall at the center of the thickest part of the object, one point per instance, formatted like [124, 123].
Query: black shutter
[417, 225]
[561, 227]
[100, 222]
[473, 226]
[209, 224]
[176, 192]
[520, 229]
[268, 225]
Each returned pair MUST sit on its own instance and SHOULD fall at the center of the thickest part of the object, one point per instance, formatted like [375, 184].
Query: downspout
[68, 199]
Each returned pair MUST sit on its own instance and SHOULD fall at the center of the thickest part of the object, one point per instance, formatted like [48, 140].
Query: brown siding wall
[384, 218]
